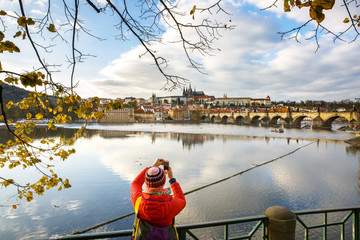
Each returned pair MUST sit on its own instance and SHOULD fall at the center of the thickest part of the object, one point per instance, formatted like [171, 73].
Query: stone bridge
[290, 119]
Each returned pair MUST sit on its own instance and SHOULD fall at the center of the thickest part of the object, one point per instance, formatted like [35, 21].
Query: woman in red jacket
[157, 206]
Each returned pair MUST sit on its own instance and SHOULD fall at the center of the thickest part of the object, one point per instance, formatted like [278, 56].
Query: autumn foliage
[22, 151]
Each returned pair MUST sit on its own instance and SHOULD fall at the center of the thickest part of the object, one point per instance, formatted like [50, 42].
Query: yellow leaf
[39, 116]
[323, 4]
[67, 184]
[18, 34]
[305, 4]
[9, 104]
[29, 196]
[193, 10]
[22, 21]
[28, 116]
[51, 28]
[8, 182]
[286, 6]
[316, 14]
[346, 20]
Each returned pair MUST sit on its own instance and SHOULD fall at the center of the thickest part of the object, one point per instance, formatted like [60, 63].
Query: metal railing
[326, 223]
[349, 219]
[258, 222]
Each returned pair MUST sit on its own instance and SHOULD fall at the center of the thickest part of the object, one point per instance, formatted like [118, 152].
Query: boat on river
[278, 130]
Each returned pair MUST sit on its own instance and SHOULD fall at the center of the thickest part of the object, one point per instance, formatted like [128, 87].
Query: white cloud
[252, 60]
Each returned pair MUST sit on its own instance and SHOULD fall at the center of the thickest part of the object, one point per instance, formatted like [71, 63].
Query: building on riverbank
[236, 101]
[142, 115]
[124, 115]
[242, 101]
[189, 96]
[261, 101]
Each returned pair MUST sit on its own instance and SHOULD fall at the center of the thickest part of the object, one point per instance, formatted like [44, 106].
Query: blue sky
[253, 61]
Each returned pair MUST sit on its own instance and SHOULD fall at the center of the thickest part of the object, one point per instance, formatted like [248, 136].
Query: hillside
[16, 94]
[13, 93]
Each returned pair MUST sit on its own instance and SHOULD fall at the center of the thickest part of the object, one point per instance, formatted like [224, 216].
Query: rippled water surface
[303, 169]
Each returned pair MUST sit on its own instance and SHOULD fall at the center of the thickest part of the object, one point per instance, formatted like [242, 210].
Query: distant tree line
[347, 104]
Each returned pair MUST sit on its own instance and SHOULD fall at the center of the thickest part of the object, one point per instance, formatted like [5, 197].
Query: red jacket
[159, 210]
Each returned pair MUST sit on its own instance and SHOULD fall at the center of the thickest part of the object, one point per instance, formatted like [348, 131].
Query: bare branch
[350, 16]
[33, 44]
[73, 44]
[93, 6]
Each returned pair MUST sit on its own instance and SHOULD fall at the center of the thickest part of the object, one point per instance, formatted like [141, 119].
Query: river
[322, 172]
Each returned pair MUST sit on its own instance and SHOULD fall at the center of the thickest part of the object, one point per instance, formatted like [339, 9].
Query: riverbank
[355, 142]
[211, 129]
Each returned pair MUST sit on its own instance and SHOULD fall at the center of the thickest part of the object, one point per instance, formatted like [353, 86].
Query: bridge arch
[224, 119]
[274, 120]
[217, 119]
[255, 120]
[238, 119]
[328, 122]
[297, 121]
[291, 119]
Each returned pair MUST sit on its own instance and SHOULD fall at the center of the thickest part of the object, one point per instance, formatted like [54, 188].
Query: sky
[252, 60]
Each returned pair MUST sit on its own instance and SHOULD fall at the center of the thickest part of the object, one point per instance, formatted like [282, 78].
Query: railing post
[226, 232]
[356, 224]
[325, 226]
[182, 234]
[281, 224]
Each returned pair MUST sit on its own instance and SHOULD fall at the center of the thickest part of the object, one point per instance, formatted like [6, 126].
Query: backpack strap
[176, 232]
[137, 204]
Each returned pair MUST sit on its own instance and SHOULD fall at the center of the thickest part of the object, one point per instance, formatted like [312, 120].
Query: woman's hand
[169, 173]
[158, 162]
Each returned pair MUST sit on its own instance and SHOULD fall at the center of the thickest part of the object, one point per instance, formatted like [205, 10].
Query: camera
[166, 165]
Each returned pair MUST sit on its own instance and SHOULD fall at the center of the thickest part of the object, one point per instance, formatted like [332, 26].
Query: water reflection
[40, 132]
[352, 150]
[355, 152]
[320, 175]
